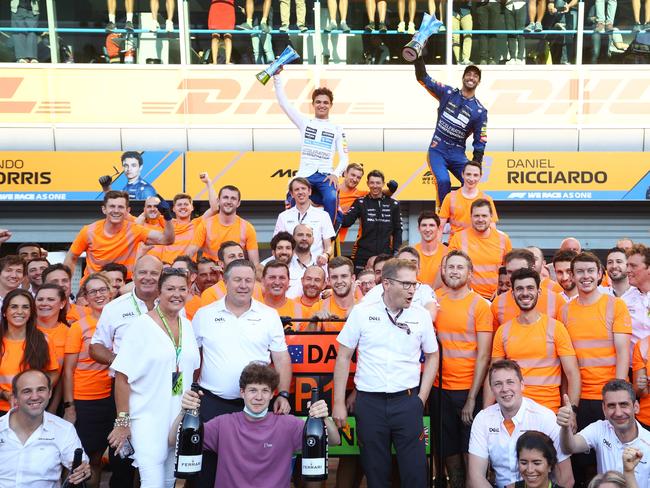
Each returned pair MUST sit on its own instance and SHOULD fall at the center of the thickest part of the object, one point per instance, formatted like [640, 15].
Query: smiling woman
[22, 345]
[149, 381]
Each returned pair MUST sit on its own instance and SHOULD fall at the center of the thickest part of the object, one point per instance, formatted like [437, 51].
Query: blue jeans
[443, 159]
[322, 193]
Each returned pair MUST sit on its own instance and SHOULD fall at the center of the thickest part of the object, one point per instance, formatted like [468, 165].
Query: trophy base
[263, 77]
[409, 54]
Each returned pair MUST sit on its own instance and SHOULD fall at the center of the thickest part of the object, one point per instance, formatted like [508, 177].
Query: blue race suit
[458, 118]
[139, 190]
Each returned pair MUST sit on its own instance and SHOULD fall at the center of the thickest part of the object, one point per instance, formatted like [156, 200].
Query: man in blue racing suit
[459, 115]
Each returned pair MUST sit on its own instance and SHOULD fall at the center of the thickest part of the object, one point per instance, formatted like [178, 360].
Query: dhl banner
[506, 175]
[264, 176]
[57, 176]
[381, 96]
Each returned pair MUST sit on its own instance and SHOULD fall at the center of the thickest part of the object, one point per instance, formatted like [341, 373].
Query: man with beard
[540, 344]
[460, 115]
[637, 302]
[485, 245]
[282, 247]
[464, 328]
[504, 307]
[562, 267]
[618, 431]
[226, 225]
[600, 330]
[303, 257]
[313, 283]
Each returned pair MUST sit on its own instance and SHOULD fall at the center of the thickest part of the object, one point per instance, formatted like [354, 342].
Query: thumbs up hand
[565, 413]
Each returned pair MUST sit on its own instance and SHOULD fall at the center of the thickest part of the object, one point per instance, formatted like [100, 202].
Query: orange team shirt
[183, 235]
[210, 233]
[591, 328]
[290, 308]
[346, 199]
[192, 305]
[486, 254]
[457, 324]
[456, 208]
[641, 360]
[504, 307]
[57, 337]
[75, 312]
[10, 364]
[155, 224]
[91, 379]
[550, 285]
[429, 265]
[333, 308]
[218, 291]
[537, 348]
[101, 249]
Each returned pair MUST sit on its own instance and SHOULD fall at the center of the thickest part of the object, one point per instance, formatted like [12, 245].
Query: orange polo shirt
[537, 348]
[210, 233]
[504, 307]
[91, 379]
[457, 324]
[641, 360]
[101, 249]
[57, 337]
[457, 209]
[430, 264]
[486, 254]
[183, 236]
[592, 328]
[10, 364]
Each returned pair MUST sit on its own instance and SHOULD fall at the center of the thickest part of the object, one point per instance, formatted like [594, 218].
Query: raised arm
[295, 117]
[480, 136]
[571, 443]
[213, 200]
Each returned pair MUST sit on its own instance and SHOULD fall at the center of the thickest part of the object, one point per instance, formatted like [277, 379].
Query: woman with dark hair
[155, 364]
[86, 384]
[22, 345]
[536, 458]
[51, 305]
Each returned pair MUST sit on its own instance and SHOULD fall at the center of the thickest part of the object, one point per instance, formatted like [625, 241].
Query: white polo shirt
[638, 304]
[422, 296]
[229, 343]
[38, 462]
[490, 439]
[316, 218]
[388, 357]
[115, 316]
[601, 437]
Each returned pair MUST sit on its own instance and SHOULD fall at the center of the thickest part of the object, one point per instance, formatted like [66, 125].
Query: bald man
[571, 244]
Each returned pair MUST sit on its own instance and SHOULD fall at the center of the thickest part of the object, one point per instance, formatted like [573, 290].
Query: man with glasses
[390, 335]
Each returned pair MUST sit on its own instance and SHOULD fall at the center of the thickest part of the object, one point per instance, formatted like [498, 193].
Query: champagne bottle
[76, 462]
[314, 446]
[189, 444]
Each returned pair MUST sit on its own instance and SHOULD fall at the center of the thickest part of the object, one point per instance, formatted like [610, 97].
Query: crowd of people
[264, 27]
[534, 373]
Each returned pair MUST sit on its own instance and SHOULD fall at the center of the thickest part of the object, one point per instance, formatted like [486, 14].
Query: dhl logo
[8, 89]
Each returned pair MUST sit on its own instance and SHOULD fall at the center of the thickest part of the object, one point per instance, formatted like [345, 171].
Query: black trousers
[584, 465]
[384, 419]
[212, 406]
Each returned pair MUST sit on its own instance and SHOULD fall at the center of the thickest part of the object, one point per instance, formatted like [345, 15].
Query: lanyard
[135, 304]
[177, 347]
[394, 321]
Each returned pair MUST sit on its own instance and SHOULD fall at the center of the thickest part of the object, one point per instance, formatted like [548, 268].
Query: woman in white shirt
[154, 366]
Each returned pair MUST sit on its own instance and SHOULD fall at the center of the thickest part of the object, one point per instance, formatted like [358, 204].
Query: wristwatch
[68, 405]
[283, 394]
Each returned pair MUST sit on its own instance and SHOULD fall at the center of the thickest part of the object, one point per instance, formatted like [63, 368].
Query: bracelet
[122, 422]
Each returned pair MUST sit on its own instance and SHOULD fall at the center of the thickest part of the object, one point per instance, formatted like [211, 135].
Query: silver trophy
[430, 25]
[287, 56]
